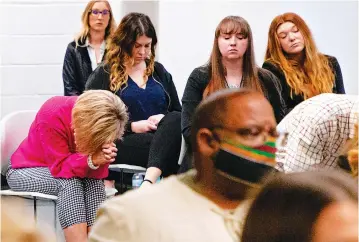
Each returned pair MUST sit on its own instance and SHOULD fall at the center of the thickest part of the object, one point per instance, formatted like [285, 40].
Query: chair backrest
[14, 128]
[183, 151]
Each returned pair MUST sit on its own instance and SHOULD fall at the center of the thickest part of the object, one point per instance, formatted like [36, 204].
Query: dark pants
[159, 149]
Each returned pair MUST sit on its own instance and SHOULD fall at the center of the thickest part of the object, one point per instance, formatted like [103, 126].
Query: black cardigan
[292, 102]
[198, 81]
[76, 69]
[100, 79]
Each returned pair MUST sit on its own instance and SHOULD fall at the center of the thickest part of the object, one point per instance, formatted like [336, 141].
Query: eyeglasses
[255, 137]
[97, 12]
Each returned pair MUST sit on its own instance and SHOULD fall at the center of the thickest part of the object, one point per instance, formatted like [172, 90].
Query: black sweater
[292, 102]
[100, 79]
[198, 81]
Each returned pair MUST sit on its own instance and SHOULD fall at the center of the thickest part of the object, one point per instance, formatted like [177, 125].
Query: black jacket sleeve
[175, 103]
[71, 85]
[280, 77]
[99, 79]
[339, 84]
[166, 79]
[192, 96]
[273, 92]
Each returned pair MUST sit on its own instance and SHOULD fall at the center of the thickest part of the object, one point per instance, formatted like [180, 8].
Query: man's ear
[206, 142]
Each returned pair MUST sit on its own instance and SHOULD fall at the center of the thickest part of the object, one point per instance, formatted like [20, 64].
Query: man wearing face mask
[233, 138]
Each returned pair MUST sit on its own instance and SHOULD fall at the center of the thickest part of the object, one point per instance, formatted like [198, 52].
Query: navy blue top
[143, 103]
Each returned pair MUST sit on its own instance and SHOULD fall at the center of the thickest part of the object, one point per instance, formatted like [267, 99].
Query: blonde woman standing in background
[88, 49]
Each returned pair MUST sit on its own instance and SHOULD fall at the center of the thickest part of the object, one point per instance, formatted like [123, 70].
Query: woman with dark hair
[293, 57]
[87, 50]
[153, 134]
[320, 206]
[231, 65]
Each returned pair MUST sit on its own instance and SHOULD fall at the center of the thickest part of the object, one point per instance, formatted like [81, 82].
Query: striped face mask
[246, 164]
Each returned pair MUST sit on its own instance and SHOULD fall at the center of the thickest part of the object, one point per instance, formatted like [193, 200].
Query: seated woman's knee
[173, 117]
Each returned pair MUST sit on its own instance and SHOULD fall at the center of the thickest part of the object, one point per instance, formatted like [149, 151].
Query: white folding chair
[14, 127]
[184, 148]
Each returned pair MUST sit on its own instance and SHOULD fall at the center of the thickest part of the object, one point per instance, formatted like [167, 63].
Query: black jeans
[159, 149]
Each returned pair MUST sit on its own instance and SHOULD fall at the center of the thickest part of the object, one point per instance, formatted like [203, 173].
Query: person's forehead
[143, 39]
[285, 26]
[342, 215]
[250, 111]
[99, 5]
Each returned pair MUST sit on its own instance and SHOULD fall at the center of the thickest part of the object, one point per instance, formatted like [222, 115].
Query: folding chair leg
[121, 177]
[35, 209]
[55, 216]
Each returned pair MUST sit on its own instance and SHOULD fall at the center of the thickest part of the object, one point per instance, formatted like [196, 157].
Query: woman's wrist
[131, 126]
[91, 164]
[147, 180]
[152, 174]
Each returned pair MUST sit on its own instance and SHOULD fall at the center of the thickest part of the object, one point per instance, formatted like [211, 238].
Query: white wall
[186, 32]
[33, 38]
[34, 35]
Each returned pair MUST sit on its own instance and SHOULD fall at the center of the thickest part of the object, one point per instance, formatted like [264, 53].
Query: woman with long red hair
[231, 65]
[294, 58]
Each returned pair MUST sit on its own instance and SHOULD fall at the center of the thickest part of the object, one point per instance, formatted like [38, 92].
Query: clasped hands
[106, 155]
[108, 152]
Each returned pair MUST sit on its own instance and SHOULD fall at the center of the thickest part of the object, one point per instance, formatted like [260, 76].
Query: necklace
[233, 85]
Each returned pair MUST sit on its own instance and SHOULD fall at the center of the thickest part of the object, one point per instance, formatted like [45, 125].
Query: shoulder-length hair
[98, 117]
[85, 31]
[353, 153]
[288, 205]
[348, 161]
[121, 43]
[232, 25]
[315, 71]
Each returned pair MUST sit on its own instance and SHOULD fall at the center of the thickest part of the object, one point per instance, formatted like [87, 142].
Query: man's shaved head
[216, 110]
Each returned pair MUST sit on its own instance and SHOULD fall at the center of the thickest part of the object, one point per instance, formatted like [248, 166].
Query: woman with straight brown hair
[293, 57]
[231, 65]
[88, 49]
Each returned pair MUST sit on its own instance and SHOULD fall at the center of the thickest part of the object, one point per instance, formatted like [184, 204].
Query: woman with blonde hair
[153, 134]
[87, 50]
[353, 154]
[293, 57]
[349, 160]
[231, 65]
[67, 153]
